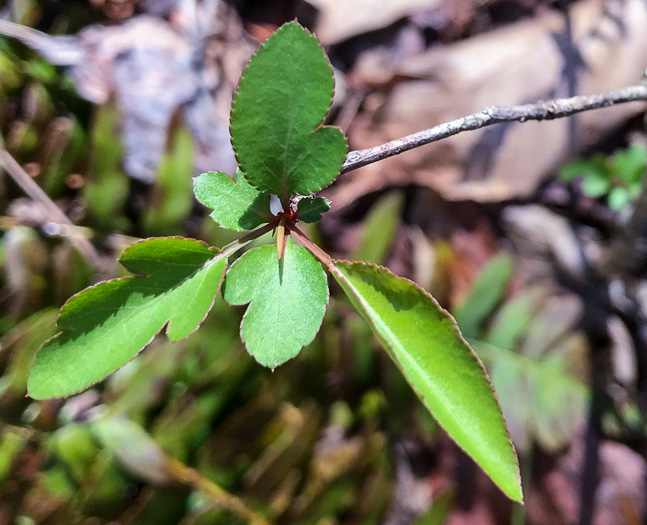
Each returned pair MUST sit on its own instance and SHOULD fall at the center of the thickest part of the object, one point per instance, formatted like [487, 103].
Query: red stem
[322, 256]
[261, 231]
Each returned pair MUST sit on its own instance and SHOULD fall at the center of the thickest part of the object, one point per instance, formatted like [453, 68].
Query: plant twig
[36, 193]
[217, 494]
[322, 256]
[27, 35]
[542, 110]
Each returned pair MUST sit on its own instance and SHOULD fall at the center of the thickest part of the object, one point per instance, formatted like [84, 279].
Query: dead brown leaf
[599, 46]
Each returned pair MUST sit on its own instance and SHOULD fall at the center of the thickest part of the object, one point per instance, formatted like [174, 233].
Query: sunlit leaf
[106, 325]
[425, 343]
[630, 163]
[236, 206]
[283, 96]
[287, 300]
[618, 198]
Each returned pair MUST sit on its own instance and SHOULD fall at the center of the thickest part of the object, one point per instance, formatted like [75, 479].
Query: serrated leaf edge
[134, 275]
[333, 269]
[267, 218]
[246, 305]
[319, 126]
[164, 327]
[327, 202]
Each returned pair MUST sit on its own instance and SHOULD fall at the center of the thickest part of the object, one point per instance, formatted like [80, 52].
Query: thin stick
[35, 192]
[254, 234]
[548, 110]
[27, 35]
[216, 493]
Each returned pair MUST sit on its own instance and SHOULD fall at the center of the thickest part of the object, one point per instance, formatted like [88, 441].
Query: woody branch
[542, 110]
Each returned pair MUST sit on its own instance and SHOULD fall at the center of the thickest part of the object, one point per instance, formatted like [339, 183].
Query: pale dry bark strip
[56, 215]
[542, 110]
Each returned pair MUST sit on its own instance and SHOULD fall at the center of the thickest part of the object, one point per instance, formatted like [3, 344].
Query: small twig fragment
[35, 192]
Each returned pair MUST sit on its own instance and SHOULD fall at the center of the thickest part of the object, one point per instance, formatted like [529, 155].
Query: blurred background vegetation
[196, 432]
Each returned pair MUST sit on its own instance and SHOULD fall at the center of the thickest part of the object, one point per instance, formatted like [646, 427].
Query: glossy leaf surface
[287, 300]
[425, 343]
[283, 96]
[106, 325]
[236, 205]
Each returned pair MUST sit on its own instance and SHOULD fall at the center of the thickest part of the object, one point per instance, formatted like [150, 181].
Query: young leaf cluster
[285, 155]
[618, 178]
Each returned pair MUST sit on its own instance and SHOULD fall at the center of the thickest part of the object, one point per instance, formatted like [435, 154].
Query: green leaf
[172, 197]
[596, 184]
[540, 399]
[311, 210]
[283, 96]
[236, 206]
[106, 325]
[629, 164]
[511, 321]
[425, 343]
[618, 198]
[572, 170]
[484, 294]
[287, 301]
[528, 350]
[596, 166]
[379, 229]
[22, 343]
[75, 447]
[106, 187]
[13, 441]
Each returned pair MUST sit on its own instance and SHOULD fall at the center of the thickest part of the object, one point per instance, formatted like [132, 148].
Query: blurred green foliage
[379, 229]
[529, 350]
[172, 192]
[617, 178]
[205, 402]
[106, 188]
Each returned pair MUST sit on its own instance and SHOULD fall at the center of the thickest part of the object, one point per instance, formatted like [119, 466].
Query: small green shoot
[618, 178]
